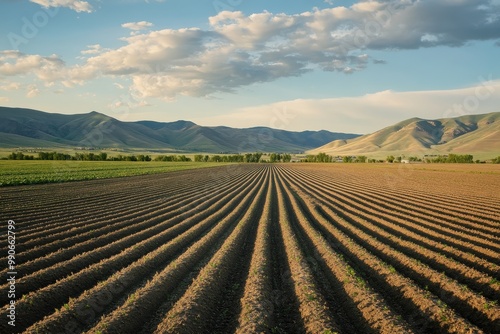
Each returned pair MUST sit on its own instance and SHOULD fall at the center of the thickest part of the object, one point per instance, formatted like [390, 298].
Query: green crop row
[13, 172]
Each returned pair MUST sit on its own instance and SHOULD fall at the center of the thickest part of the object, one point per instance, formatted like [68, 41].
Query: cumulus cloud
[32, 91]
[240, 50]
[142, 25]
[127, 103]
[93, 49]
[367, 113]
[10, 86]
[48, 69]
[76, 5]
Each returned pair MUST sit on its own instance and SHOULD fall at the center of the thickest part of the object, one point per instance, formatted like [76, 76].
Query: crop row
[253, 248]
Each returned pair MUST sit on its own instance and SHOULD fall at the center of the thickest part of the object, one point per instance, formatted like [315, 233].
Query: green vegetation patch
[15, 172]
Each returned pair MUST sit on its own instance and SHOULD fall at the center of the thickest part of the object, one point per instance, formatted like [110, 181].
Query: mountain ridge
[478, 134]
[19, 126]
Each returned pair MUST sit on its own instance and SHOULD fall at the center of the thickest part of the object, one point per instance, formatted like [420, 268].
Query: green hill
[31, 128]
[473, 134]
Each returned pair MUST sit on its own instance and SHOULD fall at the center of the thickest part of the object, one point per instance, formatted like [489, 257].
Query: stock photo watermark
[471, 103]
[12, 272]
[88, 310]
[31, 27]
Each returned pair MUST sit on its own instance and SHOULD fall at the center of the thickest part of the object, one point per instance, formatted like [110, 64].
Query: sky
[342, 66]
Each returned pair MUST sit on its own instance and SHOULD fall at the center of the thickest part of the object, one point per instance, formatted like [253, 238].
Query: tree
[253, 157]
[347, 159]
[236, 158]
[390, 159]
[361, 159]
[198, 158]
[457, 158]
[323, 157]
[310, 158]
[182, 158]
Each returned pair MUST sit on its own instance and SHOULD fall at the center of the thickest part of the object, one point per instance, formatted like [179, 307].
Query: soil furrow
[194, 312]
[316, 315]
[349, 290]
[71, 287]
[439, 244]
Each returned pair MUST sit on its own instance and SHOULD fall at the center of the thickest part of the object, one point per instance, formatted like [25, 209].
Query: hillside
[473, 134]
[32, 128]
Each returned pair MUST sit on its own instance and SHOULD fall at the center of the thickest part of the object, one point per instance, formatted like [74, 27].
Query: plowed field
[258, 248]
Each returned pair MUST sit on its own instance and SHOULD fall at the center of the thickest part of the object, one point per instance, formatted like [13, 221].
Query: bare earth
[259, 248]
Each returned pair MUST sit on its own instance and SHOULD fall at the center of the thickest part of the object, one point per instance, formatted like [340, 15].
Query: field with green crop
[256, 248]
[13, 172]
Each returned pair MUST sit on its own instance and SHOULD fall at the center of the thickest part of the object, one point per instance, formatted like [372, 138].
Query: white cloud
[125, 103]
[76, 5]
[240, 50]
[11, 86]
[48, 69]
[142, 25]
[365, 114]
[32, 91]
[93, 49]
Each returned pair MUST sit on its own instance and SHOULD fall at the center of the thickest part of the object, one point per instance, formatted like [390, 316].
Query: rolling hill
[472, 134]
[31, 128]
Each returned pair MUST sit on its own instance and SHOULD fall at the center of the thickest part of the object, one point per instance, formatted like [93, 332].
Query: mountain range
[31, 128]
[469, 134]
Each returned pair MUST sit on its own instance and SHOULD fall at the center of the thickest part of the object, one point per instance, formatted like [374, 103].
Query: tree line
[102, 156]
[241, 158]
[249, 157]
[323, 157]
[452, 158]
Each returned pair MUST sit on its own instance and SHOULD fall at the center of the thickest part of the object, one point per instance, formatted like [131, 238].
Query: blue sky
[345, 66]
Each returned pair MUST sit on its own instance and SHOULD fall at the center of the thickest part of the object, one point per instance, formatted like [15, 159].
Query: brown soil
[290, 248]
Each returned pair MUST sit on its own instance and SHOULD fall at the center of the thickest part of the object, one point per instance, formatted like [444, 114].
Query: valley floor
[252, 248]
